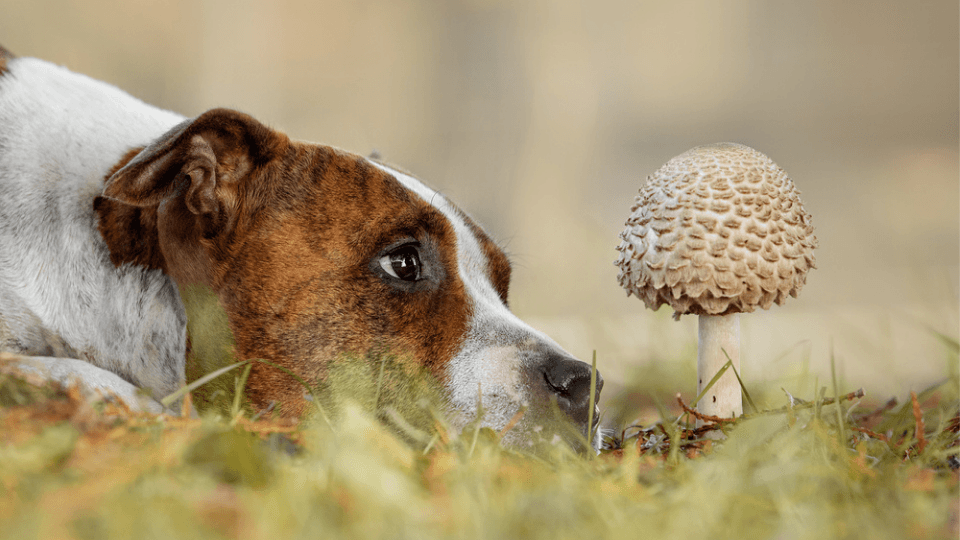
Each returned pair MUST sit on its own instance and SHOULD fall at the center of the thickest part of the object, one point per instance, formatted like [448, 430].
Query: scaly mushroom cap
[718, 229]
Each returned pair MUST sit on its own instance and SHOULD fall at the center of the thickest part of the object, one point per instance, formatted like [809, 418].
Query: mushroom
[717, 231]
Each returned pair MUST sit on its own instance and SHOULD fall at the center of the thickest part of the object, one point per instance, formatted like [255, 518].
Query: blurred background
[542, 119]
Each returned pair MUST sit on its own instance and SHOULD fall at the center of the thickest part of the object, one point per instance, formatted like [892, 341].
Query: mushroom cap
[718, 229]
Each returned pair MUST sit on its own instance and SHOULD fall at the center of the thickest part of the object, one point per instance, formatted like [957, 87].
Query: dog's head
[316, 253]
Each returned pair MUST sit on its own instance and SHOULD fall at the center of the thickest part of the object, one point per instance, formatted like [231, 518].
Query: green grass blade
[167, 401]
[743, 387]
[376, 398]
[713, 381]
[841, 426]
[238, 391]
[303, 383]
[593, 397]
[949, 341]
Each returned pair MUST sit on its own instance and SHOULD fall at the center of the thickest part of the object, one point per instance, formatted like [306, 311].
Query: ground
[819, 468]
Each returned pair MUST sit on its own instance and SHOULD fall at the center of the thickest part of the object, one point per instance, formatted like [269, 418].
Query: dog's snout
[569, 379]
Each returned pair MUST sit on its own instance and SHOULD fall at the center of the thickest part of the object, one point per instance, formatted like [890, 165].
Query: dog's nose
[569, 379]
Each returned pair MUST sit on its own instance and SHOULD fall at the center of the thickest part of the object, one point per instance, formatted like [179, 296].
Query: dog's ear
[201, 159]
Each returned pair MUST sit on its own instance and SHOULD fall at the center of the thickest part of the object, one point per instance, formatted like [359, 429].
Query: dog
[109, 206]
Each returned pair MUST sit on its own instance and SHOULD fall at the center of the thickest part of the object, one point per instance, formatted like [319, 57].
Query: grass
[69, 470]
[830, 465]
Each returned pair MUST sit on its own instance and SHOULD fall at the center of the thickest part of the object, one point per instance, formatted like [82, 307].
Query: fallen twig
[700, 416]
[888, 406]
[796, 406]
[799, 405]
[871, 434]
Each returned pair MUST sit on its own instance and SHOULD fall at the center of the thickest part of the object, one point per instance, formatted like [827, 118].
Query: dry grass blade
[918, 417]
[513, 421]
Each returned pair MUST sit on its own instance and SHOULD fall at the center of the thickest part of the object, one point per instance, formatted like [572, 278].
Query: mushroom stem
[716, 334]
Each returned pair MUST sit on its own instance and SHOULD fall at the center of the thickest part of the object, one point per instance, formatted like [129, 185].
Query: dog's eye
[402, 263]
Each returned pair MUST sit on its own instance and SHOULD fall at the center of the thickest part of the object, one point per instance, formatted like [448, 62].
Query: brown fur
[129, 231]
[5, 56]
[288, 234]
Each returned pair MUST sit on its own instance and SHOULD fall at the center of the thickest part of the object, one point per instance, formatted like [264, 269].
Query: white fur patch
[489, 362]
[60, 132]
[94, 383]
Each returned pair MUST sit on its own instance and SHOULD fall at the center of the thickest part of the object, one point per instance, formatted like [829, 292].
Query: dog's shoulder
[61, 134]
